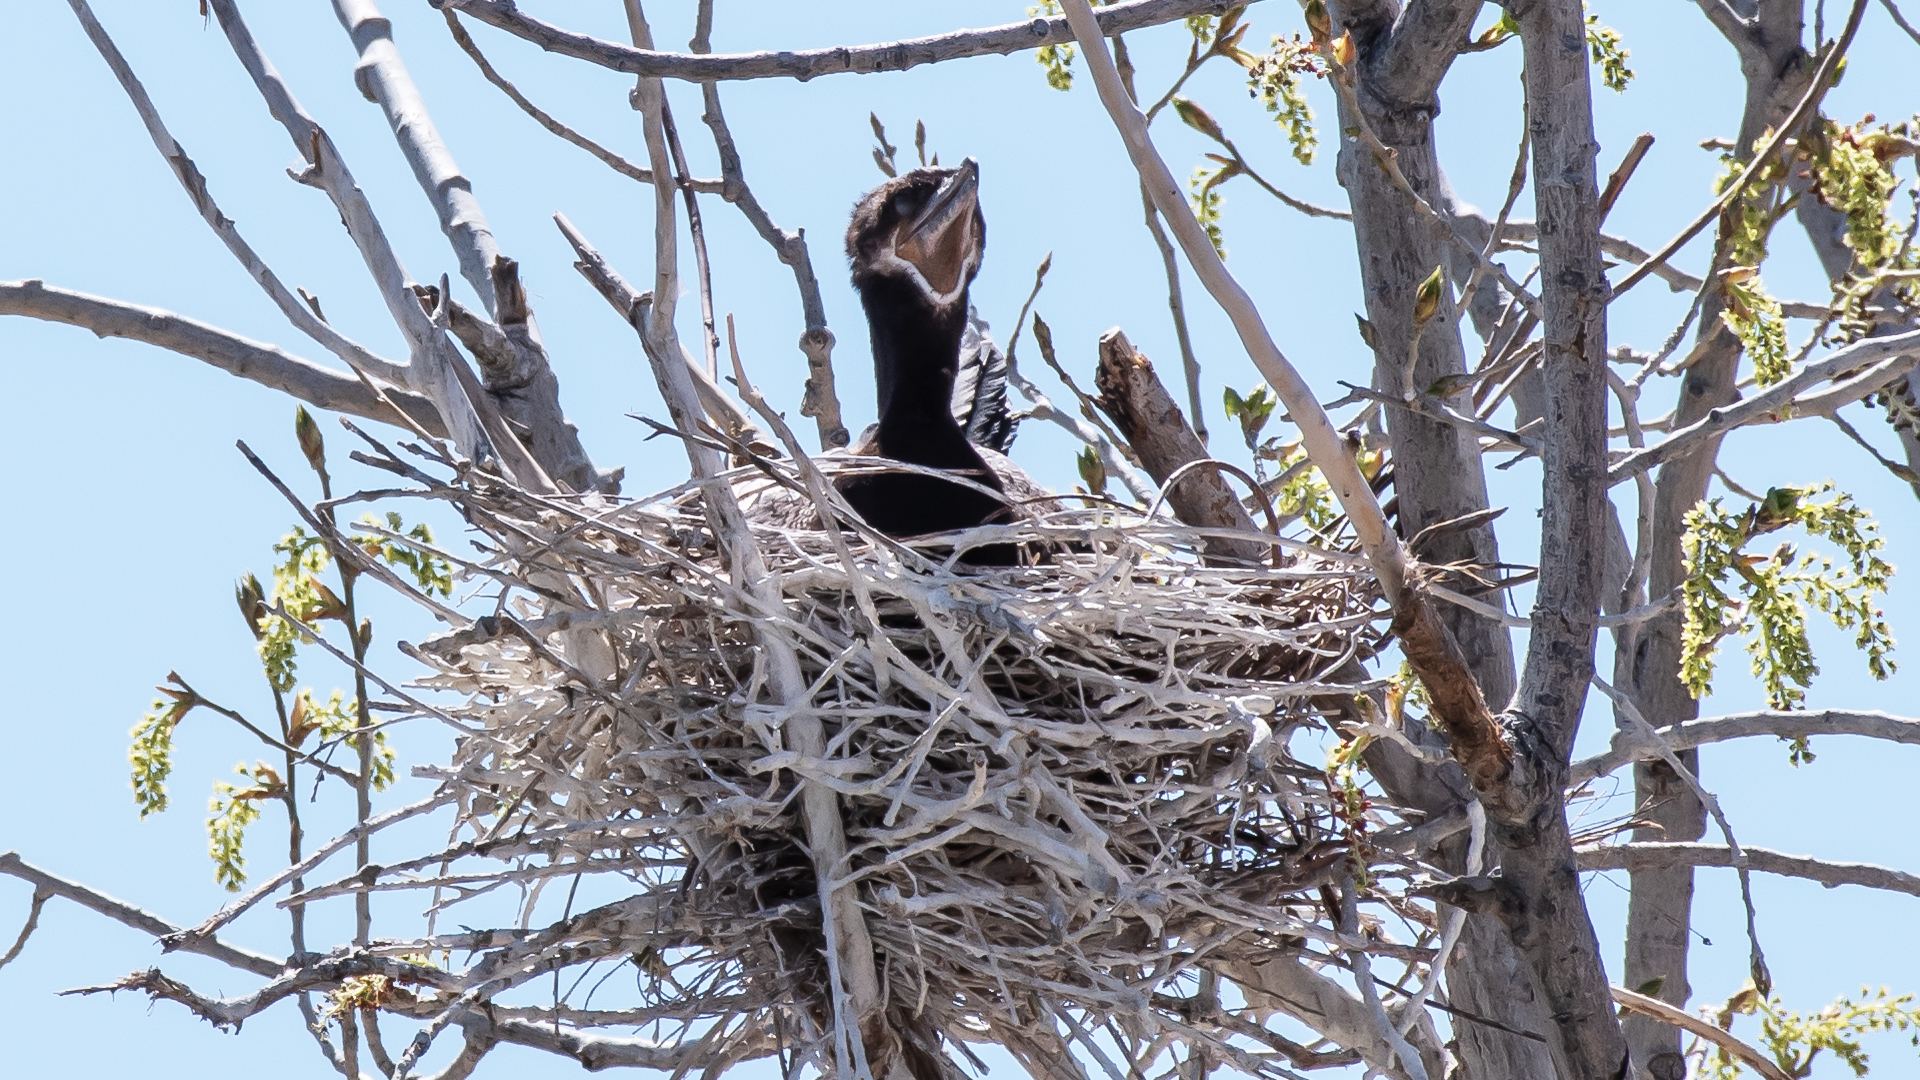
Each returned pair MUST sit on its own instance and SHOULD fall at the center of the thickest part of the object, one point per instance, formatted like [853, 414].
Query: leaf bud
[1197, 118]
[311, 444]
[1426, 301]
[1319, 23]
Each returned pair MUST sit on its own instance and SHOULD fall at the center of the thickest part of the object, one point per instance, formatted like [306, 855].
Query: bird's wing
[980, 389]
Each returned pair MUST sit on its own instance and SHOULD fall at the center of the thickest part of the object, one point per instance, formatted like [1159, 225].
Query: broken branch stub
[1134, 398]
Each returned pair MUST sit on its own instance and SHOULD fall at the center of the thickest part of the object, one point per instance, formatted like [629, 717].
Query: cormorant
[916, 243]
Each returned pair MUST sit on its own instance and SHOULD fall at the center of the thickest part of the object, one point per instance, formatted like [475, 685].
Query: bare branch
[1133, 395]
[632, 306]
[306, 320]
[1785, 725]
[231, 1012]
[143, 921]
[546, 120]
[1901, 20]
[256, 361]
[523, 384]
[1680, 1018]
[1657, 855]
[40, 898]
[382, 77]
[431, 371]
[810, 63]
[1884, 360]
[186, 939]
[820, 400]
[1322, 440]
[1808, 106]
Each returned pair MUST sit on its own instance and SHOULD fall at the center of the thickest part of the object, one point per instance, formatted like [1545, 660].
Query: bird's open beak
[941, 242]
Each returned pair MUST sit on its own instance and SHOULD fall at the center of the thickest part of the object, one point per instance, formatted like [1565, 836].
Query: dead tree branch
[811, 63]
[1659, 855]
[1151, 422]
[255, 361]
[122, 912]
[1714, 729]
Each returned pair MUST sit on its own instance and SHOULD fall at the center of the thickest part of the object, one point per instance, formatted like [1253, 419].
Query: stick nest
[1064, 788]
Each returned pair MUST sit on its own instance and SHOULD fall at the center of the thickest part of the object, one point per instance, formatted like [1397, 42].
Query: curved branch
[304, 319]
[433, 359]
[546, 120]
[1654, 855]
[810, 63]
[40, 898]
[1680, 1018]
[519, 377]
[1785, 725]
[1885, 359]
[255, 361]
[1809, 106]
[126, 914]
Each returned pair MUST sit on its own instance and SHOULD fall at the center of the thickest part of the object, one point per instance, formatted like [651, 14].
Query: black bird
[916, 243]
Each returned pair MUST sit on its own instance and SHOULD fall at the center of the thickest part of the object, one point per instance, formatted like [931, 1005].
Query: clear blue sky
[129, 511]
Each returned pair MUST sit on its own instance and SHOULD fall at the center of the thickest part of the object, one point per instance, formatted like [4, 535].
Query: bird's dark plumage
[980, 389]
[916, 243]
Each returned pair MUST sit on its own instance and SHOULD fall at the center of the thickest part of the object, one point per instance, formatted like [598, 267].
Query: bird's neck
[916, 349]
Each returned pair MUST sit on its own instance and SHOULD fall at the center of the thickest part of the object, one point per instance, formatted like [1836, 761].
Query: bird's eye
[907, 203]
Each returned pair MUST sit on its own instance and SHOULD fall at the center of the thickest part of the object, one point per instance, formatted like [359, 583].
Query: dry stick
[126, 914]
[1634, 589]
[710, 340]
[1387, 158]
[1617, 183]
[632, 306]
[432, 357]
[1757, 961]
[1318, 434]
[1189, 363]
[1362, 964]
[1660, 855]
[1043, 408]
[1903, 472]
[819, 399]
[1809, 102]
[40, 897]
[1514, 184]
[1901, 20]
[304, 319]
[517, 461]
[255, 361]
[1043, 340]
[810, 63]
[293, 754]
[185, 939]
[1138, 402]
[519, 367]
[1883, 359]
[1785, 725]
[854, 982]
[1456, 919]
[382, 77]
[546, 120]
[1458, 702]
[1749, 1056]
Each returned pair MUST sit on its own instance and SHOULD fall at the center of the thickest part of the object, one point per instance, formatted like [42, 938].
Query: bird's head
[924, 229]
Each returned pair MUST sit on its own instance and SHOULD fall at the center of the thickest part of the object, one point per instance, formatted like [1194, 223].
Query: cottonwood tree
[1438, 840]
